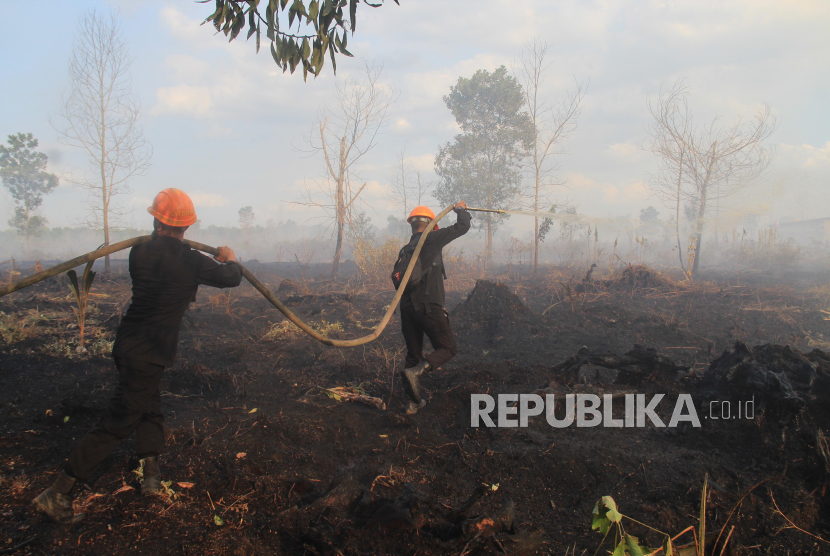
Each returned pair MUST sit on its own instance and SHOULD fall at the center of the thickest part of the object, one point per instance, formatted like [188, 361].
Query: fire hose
[260, 287]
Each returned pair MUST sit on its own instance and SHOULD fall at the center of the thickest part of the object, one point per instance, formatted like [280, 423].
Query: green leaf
[612, 514]
[604, 513]
[634, 547]
[333, 62]
[333, 395]
[215, 14]
[275, 56]
[600, 521]
[269, 19]
[353, 14]
[88, 279]
[257, 37]
[251, 24]
[313, 10]
[306, 49]
[73, 284]
[218, 520]
[238, 24]
[620, 550]
[668, 548]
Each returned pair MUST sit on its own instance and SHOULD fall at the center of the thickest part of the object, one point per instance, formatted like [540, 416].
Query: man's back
[431, 288]
[166, 275]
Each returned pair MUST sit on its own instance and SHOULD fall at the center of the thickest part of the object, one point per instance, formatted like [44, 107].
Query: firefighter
[422, 310]
[165, 276]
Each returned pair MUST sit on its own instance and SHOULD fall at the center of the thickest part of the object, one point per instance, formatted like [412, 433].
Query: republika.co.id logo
[589, 410]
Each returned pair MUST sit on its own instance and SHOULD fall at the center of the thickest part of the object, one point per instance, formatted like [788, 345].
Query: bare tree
[346, 133]
[672, 109]
[708, 163]
[101, 116]
[408, 190]
[553, 124]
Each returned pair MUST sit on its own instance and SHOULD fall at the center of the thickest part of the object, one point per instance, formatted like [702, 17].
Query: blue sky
[226, 124]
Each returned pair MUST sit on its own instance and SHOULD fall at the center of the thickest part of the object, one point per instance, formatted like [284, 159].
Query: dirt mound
[637, 276]
[783, 380]
[636, 366]
[491, 313]
[491, 300]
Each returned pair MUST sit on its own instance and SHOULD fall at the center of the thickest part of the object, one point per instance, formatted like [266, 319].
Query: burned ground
[263, 462]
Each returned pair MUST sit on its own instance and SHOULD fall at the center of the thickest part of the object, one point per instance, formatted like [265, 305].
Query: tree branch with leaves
[290, 50]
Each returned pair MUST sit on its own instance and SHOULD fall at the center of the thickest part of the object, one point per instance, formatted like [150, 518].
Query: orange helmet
[420, 211]
[174, 208]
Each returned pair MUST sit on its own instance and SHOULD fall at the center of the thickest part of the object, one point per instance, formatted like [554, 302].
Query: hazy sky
[225, 123]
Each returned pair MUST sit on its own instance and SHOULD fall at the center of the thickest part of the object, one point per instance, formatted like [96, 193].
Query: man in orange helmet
[422, 310]
[165, 276]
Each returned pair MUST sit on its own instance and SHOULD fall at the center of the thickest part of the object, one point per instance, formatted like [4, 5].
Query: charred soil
[262, 461]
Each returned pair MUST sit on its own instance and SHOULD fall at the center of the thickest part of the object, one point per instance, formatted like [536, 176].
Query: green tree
[291, 49]
[23, 171]
[483, 165]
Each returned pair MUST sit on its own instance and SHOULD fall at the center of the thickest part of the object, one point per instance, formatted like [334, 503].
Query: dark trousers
[435, 323]
[135, 406]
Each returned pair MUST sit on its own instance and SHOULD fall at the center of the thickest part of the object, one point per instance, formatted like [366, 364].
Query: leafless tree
[672, 109]
[408, 189]
[101, 116]
[708, 163]
[346, 133]
[553, 124]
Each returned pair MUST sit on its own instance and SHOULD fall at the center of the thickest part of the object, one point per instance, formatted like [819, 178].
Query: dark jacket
[431, 288]
[166, 275]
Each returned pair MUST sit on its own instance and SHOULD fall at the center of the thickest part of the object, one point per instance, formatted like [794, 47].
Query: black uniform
[166, 275]
[422, 311]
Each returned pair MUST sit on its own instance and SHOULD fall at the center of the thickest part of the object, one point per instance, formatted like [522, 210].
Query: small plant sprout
[606, 517]
[81, 291]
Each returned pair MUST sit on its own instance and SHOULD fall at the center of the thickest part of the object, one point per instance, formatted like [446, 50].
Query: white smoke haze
[226, 124]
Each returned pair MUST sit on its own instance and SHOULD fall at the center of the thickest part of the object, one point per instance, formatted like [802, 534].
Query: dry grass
[16, 328]
[286, 329]
[375, 259]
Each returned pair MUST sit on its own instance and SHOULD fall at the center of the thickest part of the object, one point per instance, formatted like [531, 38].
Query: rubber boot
[410, 381]
[152, 476]
[56, 501]
[412, 408]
